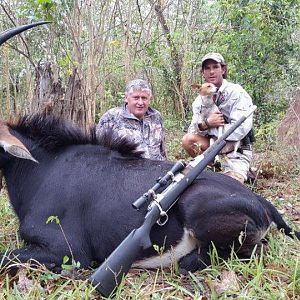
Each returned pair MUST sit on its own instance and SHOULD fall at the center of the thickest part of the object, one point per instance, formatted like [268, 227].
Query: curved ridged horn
[7, 34]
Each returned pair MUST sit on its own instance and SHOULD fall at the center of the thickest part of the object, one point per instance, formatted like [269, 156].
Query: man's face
[212, 72]
[138, 103]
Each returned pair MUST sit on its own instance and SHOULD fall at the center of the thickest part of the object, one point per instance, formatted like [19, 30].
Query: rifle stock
[109, 275]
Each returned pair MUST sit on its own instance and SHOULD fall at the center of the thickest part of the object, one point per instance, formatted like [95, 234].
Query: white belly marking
[184, 247]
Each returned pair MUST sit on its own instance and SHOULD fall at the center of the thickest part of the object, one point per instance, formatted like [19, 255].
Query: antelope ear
[196, 87]
[4, 36]
[12, 145]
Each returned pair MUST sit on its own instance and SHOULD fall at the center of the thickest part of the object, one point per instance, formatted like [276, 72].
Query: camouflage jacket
[148, 132]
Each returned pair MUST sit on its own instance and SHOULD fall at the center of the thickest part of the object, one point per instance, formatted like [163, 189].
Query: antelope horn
[7, 34]
[12, 145]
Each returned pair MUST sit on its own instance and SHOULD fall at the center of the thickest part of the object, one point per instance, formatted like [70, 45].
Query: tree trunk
[176, 63]
[48, 92]
[75, 105]
[68, 102]
[289, 129]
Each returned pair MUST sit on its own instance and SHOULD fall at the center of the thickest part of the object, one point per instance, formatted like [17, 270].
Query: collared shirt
[148, 132]
[233, 102]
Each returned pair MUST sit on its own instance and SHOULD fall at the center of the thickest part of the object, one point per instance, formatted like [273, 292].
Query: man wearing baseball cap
[214, 56]
[233, 102]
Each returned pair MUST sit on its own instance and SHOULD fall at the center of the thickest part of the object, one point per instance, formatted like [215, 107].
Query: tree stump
[70, 102]
[48, 89]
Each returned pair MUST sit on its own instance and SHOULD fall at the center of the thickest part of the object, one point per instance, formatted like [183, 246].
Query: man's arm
[106, 121]
[241, 107]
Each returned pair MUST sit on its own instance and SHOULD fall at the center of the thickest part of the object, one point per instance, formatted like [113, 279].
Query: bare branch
[21, 35]
[23, 53]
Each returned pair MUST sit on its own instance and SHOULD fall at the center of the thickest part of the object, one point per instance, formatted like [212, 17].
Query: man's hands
[216, 119]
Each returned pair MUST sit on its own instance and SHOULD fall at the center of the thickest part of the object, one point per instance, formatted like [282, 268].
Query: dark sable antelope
[90, 183]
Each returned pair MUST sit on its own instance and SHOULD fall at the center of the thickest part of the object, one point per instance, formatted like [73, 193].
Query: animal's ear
[12, 145]
[196, 87]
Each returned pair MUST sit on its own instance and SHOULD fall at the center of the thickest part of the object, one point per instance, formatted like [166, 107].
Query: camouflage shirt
[148, 132]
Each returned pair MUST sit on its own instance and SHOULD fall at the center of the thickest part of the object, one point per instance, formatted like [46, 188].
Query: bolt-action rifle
[109, 275]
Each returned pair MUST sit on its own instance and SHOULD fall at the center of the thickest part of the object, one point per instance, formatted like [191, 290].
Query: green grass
[273, 275]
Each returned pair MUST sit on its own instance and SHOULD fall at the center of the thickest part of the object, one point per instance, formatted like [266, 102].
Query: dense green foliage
[259, 40]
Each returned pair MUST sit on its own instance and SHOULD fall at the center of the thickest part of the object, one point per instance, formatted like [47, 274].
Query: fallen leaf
[24, 284]
[228, 282]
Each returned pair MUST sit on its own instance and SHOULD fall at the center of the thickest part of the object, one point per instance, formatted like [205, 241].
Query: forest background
[78, 65]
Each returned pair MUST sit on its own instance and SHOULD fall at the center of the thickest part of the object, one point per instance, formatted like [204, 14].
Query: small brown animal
[207, 92]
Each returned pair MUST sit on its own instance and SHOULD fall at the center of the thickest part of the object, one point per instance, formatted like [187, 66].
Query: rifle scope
[177, 167]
